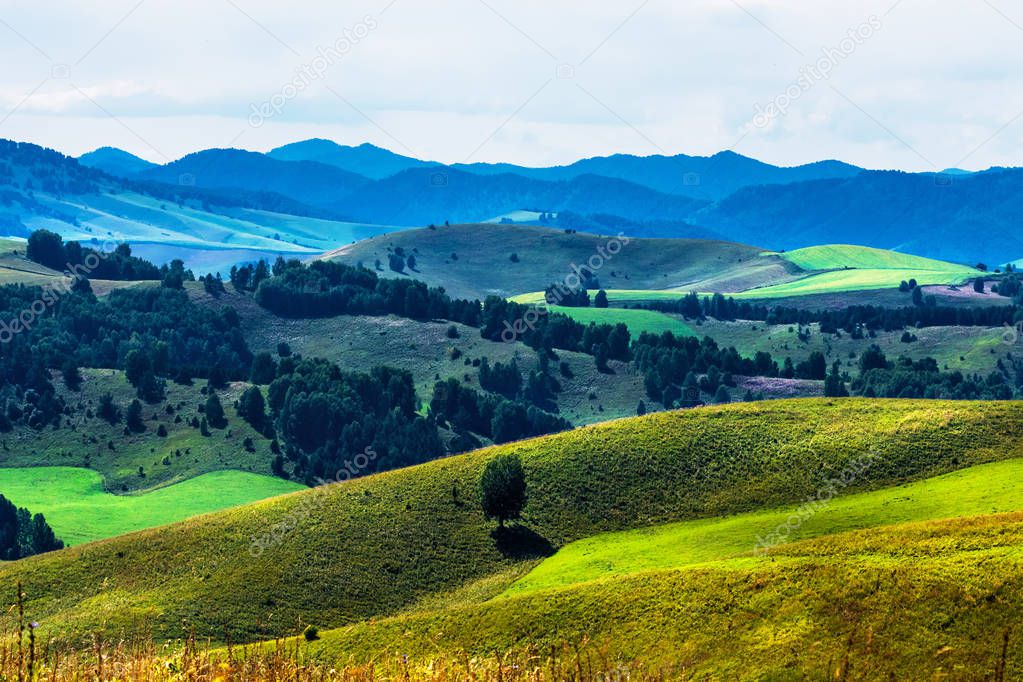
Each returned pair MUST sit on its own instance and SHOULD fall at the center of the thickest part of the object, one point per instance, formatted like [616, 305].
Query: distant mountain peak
[365, 159]
[114, 161]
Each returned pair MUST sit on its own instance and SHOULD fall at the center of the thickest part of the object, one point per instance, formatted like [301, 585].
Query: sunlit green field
[840, 256]
[963, 493]
[638, 321]
[854, 280]
[79, 510]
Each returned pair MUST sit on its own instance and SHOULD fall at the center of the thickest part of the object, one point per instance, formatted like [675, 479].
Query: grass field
[842, 256]
[853, 280]
[638, 321]
[963, 493]
[615, 296]
[919, 601]
[378, 546]
[80, 510]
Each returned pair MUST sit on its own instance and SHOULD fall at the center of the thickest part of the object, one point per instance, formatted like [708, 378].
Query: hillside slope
[965, 220]
[874, 604]
[483, 262]
[420, 196]
[311, 183]
[374, 546]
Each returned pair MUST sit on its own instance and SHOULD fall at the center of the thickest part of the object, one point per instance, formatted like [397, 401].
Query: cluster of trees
[469, 412]
[326, 288]
[853, 319]
[678, 370]
[505, 379]
[48, 248]
[571, 298]
[1011, 286]
[248, 277]
[504, 320]
[334, 422]
[906, 378]
[152, 333]
[23, 534]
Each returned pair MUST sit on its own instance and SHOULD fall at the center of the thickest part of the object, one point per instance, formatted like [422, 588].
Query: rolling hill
[872, 604]
[483, 262]
[376, 546]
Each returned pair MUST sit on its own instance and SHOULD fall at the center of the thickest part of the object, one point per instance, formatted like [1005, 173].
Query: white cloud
[443, 78]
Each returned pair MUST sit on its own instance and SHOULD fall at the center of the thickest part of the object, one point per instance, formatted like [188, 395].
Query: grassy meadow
[638, 321]
[842, 256]
[79, 509]
[692, 543]
[378, 546]
[878, 603]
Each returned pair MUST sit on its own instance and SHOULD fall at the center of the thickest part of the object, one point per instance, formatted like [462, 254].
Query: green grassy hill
[842, 256]
[380, 545]
[814, 271]
[484, 264]
[968, 492]
[932, 600]
[80, 510]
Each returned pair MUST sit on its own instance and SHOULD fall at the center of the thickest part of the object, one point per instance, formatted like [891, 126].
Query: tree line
[852, 319]
[23, 534]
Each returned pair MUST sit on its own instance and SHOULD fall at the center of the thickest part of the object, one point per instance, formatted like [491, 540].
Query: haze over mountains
[966, 218]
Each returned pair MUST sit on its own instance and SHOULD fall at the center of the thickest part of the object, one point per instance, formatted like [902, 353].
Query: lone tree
[503, 488]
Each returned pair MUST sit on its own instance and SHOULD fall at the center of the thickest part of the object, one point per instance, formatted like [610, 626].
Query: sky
[919, 85]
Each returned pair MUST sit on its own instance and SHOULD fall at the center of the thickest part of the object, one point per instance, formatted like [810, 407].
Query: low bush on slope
[374, 546]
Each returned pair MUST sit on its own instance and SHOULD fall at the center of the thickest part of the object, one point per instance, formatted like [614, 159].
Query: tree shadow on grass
[519, 542]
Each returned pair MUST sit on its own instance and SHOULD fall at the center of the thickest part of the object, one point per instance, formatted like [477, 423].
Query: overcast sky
[922, 85]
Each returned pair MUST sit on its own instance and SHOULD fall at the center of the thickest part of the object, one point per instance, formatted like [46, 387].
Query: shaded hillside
[434, 195]
[483, 263]
[311, 183]
[963, 219]
[702, 177]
